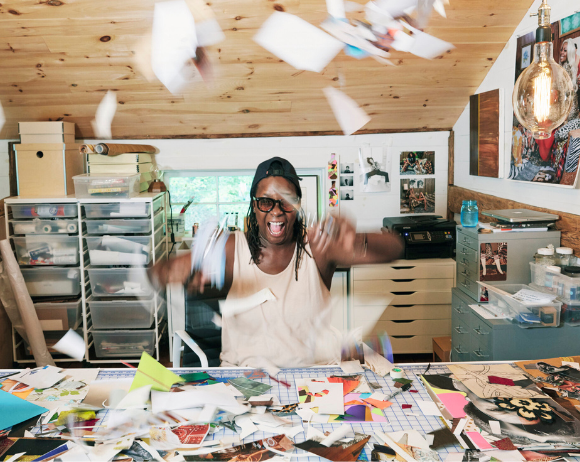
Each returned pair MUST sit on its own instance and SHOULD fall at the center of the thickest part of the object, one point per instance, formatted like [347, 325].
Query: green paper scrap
[195, 377]
[403, 381]
[150, 372]
[249, 387]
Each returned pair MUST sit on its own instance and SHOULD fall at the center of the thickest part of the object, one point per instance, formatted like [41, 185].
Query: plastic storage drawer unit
[48, 282]
[59, 316]
[94, 185]
[44, 211]
[100, 227]
[119, 282]
[524, 314]
[118, 210]
[122, 250]
[123, 343]
[47, 250]
[38, 226]
[122, 314]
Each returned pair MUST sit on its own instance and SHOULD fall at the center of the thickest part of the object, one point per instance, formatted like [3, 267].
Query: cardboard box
[47, 169]
[48, 138]
[44, 128]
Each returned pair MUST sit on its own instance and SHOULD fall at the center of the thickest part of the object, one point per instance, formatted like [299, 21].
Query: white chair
[178, 337]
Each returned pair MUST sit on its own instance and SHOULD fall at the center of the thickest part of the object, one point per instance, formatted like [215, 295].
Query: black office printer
[426, 236]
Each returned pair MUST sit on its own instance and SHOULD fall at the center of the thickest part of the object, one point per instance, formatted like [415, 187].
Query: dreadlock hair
[298, 234]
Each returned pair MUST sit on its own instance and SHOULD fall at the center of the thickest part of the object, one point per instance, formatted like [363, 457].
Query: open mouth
[276, 228]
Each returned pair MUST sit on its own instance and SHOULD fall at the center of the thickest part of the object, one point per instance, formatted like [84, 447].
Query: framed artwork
[484, 134]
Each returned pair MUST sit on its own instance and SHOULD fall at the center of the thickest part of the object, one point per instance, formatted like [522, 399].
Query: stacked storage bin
[124, 314]
[45, 237]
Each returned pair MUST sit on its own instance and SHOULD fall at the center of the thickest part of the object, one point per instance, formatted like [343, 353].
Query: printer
[426, 236]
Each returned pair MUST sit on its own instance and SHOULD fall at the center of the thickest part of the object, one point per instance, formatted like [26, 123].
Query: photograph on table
[347, 180]
[375, 165]
[347, 194]
[418, 195]
[493, 261]
[417, 163]
[553, 160]
[347, 168]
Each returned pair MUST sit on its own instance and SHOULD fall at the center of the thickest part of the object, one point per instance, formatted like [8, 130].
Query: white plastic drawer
[119, 282]
[49, 249]
[434, 327]
[45, 227]
[121, 314]
[158, 220]
[396, 313]
[118, 226]
[119, 343]
[121, 250]
[118, 209]
[59, 316]
[44, 211]
[46, 282]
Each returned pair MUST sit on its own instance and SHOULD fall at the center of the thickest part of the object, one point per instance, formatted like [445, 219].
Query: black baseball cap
[276, 166]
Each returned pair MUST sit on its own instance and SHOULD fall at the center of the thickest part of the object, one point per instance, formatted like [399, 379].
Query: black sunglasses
[266, 204]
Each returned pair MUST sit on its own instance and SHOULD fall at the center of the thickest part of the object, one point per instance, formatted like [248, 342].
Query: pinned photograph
[347, 194]
[493, 260]
[374, 166]
[347, 168]
[418, 195]
[347, 180]
[417, 163]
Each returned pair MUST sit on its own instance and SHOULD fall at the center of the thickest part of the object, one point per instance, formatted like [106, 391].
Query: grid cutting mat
[397, 418]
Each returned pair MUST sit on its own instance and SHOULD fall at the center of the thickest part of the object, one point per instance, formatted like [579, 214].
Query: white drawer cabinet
[409, 299]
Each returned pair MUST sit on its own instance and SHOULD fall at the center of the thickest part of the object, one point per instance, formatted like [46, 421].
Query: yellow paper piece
[150, 372]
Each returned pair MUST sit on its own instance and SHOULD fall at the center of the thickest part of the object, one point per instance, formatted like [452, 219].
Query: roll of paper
[47, 229]
[71, 228]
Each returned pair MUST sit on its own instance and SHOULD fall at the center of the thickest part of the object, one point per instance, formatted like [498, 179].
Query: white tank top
[283, 332]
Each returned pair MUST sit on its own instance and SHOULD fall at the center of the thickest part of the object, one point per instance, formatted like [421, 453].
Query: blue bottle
[469, 214]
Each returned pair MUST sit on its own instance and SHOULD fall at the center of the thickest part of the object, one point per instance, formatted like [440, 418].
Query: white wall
[304, 152]
[502, 75]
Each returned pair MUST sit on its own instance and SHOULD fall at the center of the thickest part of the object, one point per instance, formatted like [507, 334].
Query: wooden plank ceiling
[59, 57]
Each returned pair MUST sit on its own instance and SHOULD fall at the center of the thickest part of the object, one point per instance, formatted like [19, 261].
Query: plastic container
[159, 236]
[48, 282]
[545, 257]
[571, 313]
[51, 337]
[44, 211]
[123, 343]
[94, 185]
[563, 256]
[47, 250]
[122, 250]
[119, 282]
[121, 314]
[59, 316]
[118, 226]
[45, 227]
[158, 220]
[469, 214]
[552, 279]
[118, 209]
[525, 315]
[566, 285]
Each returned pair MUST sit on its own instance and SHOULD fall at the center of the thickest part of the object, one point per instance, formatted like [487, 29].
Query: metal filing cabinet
[521, 247]
[476, 339]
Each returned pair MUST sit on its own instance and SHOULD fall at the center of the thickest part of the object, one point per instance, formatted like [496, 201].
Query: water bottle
[469, 214]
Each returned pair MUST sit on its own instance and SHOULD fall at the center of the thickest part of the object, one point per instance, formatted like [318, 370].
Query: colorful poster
[493, 261]
[417, 163]
[418, 195]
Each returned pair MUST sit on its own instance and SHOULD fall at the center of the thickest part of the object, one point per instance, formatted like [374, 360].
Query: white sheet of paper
[495, 427]
[378, 397]
[331, 403]
[174, 43]
[571, 364]
[426, 46]
[428, 407]
[209, 33]
[341, 432]
[40, 377]
[347, 112]
[305, 414]
[191, 415]
[103, 452]
[460, 427]
[313, 432]
[75, 454]
[15, 457]
[414, 438]
[403, 41]
[105, 115]
[396, 7]
[268, 419]
[71, 344]
[336, 8]
[351, 367]
[386, 439]
[136, 399]
[166, 401]
[533, 297]
[297, 42]
[248, 427]
[231, 307]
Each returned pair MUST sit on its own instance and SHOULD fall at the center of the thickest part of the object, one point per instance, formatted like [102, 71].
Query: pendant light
[543, 93]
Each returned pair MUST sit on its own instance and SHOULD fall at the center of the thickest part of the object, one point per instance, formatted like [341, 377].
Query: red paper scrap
[413, 391]
[406, 406]
[504, 444]
[500, 380]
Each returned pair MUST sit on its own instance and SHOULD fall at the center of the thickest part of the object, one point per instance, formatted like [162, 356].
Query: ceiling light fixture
[542, 96]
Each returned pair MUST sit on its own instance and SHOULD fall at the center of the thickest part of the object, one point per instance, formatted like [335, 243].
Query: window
[214, 194]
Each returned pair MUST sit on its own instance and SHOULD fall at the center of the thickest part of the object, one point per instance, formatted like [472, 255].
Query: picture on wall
[417, 163]
[347, 194]
[484, 134]
[347, 168]
[347, 180]
[417, 195]
[374, 170]
[554, 160]
[493, 261]
[333, 195]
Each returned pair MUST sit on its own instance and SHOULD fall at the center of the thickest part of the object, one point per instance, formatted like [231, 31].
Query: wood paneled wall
[568, 224]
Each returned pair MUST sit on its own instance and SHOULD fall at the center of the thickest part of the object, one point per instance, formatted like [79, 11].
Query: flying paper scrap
[104, 116]
[297, 42]
[348, 114]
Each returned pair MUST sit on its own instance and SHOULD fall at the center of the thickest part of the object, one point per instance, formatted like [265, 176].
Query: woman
[278, 253]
